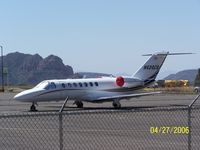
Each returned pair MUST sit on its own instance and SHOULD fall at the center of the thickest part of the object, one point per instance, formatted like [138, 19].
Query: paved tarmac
[99, 126]
[7, 104]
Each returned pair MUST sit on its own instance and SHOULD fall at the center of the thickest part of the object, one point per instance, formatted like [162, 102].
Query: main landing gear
[33, 108]
[79, 104]
[116, 104]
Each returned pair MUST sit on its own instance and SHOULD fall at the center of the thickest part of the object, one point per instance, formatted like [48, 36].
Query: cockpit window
[42, 85]
[46, 85]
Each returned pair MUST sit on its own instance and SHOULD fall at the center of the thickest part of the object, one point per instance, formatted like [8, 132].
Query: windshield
[42, 85]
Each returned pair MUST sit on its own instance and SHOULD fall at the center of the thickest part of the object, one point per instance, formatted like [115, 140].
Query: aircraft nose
[19, 97]
[24, 96]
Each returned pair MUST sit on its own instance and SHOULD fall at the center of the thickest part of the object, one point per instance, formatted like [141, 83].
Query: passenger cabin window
[91, 84]
[74, 84]
[96, 83]
[85, 84]
[69, 84]
[63, 85]
[80, 84]
[52, 85]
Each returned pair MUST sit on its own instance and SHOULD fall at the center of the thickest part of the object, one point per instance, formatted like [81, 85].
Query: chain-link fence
[194, 118]
[140, 128]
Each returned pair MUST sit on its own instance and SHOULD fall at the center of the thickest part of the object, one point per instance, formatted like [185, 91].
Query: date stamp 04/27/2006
[169, 130]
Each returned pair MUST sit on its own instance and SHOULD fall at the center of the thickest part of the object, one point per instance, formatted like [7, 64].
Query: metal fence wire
[142, 128]
[195, 128]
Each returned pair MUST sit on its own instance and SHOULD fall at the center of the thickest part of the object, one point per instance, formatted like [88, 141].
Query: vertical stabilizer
[149, 71]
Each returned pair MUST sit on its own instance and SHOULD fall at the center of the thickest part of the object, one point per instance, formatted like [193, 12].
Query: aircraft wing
[127, 96]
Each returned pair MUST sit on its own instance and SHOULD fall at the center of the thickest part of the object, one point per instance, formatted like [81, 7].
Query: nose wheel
[33, 107]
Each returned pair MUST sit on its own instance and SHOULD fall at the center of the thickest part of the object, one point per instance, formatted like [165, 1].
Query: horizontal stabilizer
[167, 53]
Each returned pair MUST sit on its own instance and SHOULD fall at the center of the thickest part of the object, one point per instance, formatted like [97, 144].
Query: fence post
[189, 126]
[61, 124]
[189, 121]
[60, 131]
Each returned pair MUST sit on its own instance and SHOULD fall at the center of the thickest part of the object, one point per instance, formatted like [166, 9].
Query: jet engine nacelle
[128, 82]
[120, 81]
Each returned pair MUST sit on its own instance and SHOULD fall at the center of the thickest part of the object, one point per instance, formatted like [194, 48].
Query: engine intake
[120, 81]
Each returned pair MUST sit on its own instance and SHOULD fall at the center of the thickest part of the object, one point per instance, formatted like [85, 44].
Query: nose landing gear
[79, 104]
[33, 107]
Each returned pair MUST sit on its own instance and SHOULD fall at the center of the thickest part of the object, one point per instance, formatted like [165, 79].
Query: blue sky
[103, 35]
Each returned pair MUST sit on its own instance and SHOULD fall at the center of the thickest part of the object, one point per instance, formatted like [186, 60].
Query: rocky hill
[183, 75]
[31, 69]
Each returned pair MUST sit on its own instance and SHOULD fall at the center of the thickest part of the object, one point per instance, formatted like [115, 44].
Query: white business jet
[97, 90]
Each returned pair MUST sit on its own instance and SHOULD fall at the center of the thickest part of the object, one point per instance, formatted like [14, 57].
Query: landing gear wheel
[33, 108]
[79, 104]
[116, 105]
